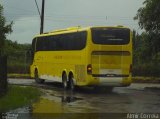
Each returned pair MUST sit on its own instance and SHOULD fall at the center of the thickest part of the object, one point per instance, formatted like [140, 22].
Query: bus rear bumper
[110, 81]
[114, 81]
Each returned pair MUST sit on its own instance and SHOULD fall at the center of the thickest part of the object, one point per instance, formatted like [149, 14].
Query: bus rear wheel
[37, 79]
[64, 81]
[71, 83]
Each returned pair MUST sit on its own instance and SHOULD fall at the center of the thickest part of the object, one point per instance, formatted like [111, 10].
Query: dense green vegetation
[17, 97]
[145, 61]
[18, 57]
[4, 29]
[146, 55]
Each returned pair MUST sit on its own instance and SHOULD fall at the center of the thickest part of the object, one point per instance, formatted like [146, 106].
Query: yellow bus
[90, 56]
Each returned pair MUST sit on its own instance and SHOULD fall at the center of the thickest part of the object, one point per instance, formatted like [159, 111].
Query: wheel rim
[64, 78]
[65, 84]
[37, 79]
[36, 75]
[72, 84]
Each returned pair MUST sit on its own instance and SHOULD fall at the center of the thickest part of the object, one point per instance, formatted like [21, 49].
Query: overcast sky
[66, 13]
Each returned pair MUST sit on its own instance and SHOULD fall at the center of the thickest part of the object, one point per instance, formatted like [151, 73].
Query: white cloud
[24, 29]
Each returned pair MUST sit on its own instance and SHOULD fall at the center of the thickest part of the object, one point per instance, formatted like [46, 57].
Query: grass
[142, 79]
[18, 96]
[13, 75]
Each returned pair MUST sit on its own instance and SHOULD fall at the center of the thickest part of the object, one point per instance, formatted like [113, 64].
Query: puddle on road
[61, 102]
[62, 97]
[60, 109]
[55, 102]
[51, 104]
[87, 103]
[69, 98]
[48, 106]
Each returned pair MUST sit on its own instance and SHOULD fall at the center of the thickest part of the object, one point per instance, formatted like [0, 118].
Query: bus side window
[41, 44]
[38, 45]
[45, 42]
[65, 42]
[52, 43]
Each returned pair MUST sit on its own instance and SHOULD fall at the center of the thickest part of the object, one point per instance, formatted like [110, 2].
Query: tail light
[130, 69]
[89, 69]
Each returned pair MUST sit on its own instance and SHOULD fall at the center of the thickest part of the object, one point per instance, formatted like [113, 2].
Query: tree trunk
[3, 75]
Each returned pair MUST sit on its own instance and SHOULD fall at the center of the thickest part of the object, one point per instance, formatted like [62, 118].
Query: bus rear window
[110, 36]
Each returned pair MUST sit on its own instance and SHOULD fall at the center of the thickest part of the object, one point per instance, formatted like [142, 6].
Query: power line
[38, 8]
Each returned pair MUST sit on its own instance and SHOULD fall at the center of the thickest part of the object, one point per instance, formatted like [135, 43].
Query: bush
[147, 70]
[19, 68]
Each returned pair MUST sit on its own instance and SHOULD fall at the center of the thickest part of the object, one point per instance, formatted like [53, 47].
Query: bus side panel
[55, 62]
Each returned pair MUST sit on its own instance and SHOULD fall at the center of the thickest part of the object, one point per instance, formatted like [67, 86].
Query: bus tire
[64, 81]
[37, 79]
[71, 82]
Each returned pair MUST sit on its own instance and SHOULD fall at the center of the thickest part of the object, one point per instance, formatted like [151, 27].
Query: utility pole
[42, 17]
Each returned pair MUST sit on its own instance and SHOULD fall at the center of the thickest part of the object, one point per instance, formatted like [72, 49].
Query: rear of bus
[111, 56]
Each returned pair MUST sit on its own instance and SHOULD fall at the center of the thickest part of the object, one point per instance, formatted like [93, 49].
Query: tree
[4, 29]
[149, 19]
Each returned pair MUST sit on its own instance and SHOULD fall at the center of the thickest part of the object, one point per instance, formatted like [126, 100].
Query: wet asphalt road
[137, 98]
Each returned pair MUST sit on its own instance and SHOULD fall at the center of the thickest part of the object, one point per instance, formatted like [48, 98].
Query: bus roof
[75, 29]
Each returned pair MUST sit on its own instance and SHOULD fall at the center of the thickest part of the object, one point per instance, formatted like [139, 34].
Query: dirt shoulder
[146, 79]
